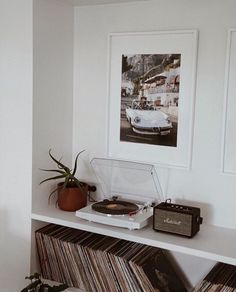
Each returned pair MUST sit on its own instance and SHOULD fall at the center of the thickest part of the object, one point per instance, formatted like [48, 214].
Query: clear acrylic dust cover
[128, 180]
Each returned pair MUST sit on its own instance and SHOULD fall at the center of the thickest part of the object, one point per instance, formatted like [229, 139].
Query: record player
[128, 193]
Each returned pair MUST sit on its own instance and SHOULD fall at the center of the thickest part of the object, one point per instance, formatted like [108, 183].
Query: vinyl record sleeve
[70, 261]
[85, 262]
[221, 278]
[42, 253]
[79, 261]
[59, 256]
[110, 280]
[156, 268]
[51, 252]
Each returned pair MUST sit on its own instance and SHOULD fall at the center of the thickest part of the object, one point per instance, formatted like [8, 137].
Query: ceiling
[97, 2]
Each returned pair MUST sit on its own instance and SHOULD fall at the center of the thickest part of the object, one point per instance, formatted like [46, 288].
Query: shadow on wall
[180, 272]
[14, 259]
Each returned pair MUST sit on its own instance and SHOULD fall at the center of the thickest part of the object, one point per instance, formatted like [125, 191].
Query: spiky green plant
[65, 173]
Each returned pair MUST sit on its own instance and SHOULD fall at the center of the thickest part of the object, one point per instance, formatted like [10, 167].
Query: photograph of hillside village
[149, 98]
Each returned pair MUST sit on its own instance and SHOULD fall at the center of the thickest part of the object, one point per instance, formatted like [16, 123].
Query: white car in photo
[148, 119]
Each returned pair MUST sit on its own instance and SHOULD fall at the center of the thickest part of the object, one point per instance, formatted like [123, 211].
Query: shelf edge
[99, 228]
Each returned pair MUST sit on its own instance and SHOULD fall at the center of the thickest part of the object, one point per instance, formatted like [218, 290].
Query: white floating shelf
[212, 242]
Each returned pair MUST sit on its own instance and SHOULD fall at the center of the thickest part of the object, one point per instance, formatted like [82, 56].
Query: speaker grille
[173, 222]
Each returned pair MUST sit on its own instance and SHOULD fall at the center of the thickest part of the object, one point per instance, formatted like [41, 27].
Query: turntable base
[136, 221]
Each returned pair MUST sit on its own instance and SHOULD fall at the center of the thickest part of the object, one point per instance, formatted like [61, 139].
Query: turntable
[129, 191]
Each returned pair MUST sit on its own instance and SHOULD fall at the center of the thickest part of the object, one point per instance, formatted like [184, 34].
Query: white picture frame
[182, 42]
[228, 157]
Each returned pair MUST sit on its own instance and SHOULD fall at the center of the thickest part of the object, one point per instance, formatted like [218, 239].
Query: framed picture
[151, 96]
[229, 123]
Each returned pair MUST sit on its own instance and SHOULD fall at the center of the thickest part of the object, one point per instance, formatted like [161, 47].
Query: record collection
[95, 262]
[222, 278]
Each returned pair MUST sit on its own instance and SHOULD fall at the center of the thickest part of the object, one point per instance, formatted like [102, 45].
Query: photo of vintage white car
[146, 118]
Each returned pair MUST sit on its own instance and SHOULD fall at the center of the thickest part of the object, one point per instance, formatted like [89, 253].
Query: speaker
[177, 219]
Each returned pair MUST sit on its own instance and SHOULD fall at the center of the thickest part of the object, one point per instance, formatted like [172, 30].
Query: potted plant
[72, 193]
[36, 285]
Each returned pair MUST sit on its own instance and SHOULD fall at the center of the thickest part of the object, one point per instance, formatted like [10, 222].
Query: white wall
[53, 90]
[53, 82]
[203, 185]
[15, 141]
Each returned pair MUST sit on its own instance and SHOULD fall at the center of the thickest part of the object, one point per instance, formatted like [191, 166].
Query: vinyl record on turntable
[115, 207]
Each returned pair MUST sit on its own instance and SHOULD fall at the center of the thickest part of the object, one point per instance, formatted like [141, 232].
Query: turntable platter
[115, 207]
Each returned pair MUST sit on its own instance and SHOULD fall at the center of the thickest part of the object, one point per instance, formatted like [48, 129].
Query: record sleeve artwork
[94, 262]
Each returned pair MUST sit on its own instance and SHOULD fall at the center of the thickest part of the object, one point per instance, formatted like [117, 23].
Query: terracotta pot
[72, 198]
